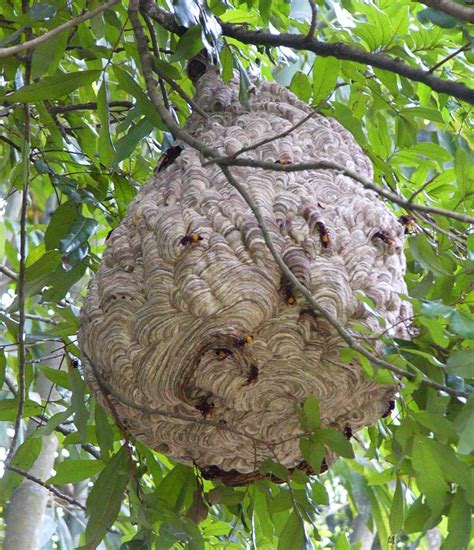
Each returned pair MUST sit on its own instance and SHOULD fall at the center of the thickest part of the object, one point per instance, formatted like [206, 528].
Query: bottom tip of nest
[233, 478]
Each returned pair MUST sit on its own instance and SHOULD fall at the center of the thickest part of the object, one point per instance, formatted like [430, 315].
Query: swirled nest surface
[189, 314]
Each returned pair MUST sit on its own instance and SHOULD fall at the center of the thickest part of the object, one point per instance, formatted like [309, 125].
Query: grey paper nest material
[186, 278]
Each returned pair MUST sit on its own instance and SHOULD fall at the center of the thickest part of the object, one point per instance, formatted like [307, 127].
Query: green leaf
[104, 432]
[180, 530]
[244, 83]
[312, 419]
[301, 86]
[46, 56]
[270, 466]
[342, 543]
[462, 324]
[177, 487]
[462, 363]
[78, 235]
[24, 458]
[319, 495]
[52, 87]
[425, 255]
[429, 476]
[189, 44]
[336, 441]
[227, 62]
[325, 74]
[132, 88]
[293, 535]
[59, 224]
[106, 149]
[125, 146]
[417, 517]
[397, 509]
[9, 408]
[105, 498]
[437, 423]
[265, 9]
[312, 451]
[78, 402]
[71, 471]
[464, 425]
[459, 523]
[59, 377]
[437, 17]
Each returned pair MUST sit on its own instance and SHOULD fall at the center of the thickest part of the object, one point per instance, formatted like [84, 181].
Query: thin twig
[12, 50]
[22, 267]
[450, 56]
[107, 387]
[156, 51]
[177, 88]
[8, 272]
[330, 165]
[50, 488]
[11, 143]
[34, 317]
[422, 188]
[90, 105]
[314, 15]
[212, 153]
[266, 140]
[42, 418]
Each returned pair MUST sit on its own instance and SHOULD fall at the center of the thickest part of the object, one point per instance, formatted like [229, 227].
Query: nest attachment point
[189, 332]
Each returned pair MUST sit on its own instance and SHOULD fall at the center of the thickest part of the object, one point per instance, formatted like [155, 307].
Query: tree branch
[12, 50]
[451, 8]
[50, 488]
[325, 49]
[90, 105]
[25, 153]
[146, 63]
[8, 272]
[330, 165]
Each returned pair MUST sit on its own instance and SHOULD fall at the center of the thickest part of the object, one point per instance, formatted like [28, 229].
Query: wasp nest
[189, 315]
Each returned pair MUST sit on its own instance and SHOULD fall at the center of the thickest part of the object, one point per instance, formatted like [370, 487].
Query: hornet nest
[189, 333]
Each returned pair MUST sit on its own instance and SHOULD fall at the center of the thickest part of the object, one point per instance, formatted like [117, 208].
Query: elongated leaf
[429, 476]
[397, 511]
[293, 535]
[325, 74]
[425, 255]
[9, 408]
[24, 458]
[462, 363]
[52, 87]
[337, 442]
[459, 523]
[462, 324]
[78, 395]
[71, 471]
[311, 412]
[464, 425]
[59, 224]
[145, 105]
[106, 149]
[180, 530]
[105, 498]
[79, 233]
[104, 432]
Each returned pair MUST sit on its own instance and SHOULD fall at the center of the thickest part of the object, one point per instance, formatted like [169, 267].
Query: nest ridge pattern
[189, 312]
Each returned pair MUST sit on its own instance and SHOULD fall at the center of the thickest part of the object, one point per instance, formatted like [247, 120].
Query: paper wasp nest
[189, 313]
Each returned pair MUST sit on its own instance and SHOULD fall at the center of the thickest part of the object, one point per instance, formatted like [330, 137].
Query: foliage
[95, 139]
